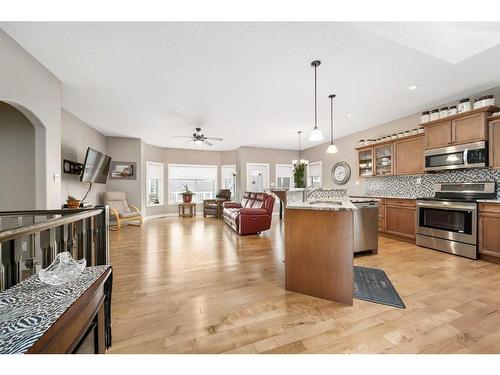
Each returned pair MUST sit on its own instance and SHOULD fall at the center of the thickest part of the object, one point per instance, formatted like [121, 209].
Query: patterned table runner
[30, 308]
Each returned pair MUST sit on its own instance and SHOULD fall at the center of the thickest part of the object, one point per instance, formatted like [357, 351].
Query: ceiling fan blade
[207, 143]
[182, 136]
[214, 138]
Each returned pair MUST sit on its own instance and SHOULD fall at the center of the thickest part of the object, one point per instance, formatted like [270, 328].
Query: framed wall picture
[123, 170]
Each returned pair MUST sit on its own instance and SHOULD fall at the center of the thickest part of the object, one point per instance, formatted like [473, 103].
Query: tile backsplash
[412, 187]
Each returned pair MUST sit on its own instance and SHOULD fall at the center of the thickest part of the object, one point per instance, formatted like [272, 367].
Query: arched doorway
[22, 182]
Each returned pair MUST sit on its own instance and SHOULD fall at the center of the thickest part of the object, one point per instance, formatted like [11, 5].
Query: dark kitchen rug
[373, 285]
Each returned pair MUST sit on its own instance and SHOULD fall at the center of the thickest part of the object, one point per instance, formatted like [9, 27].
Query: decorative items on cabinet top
[459, 115]
[404, 135]
[464, 105]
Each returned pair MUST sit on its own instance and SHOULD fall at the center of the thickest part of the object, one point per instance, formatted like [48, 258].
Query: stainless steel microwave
[471, 155]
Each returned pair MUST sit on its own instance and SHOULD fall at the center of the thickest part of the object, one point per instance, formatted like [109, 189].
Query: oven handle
[447, 206]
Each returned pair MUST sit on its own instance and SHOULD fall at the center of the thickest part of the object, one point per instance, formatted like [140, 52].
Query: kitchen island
[319, 244]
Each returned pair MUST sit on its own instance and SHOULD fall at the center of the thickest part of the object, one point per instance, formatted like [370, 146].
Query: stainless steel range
[448, 221]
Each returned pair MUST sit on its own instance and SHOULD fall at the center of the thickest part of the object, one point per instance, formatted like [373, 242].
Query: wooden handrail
[11, 234]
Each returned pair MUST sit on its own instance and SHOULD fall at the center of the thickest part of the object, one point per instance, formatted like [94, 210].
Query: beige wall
[36, 92]
[17, 160]
[265, 156]
[346, 145]
[76, 137]
[127, 149]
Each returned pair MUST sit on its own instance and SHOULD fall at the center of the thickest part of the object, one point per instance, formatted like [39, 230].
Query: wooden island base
[319, 253]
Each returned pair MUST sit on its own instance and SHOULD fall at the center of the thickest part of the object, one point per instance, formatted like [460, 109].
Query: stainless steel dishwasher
[365, 226]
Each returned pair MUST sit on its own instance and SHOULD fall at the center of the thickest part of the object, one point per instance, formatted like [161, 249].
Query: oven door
[454, 221]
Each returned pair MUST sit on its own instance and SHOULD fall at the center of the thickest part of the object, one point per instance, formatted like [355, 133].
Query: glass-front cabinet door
[383, 160]
[365, 162]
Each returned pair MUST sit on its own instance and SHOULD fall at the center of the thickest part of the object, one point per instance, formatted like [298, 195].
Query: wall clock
[341, 173]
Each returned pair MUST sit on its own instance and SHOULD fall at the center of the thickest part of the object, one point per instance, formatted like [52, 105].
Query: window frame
[320, 163]
[161, 189]
[276, 167]
[169, 165]
[265, 186]
[222, 186]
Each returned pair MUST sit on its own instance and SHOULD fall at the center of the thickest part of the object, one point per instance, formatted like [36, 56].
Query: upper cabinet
[401, 156]
[383, 160]
[409, 156]
[464, 128]
[494, 142]
[365, 162]
[438, 135]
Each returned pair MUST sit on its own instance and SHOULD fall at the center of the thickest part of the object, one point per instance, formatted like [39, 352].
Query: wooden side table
[182, 209]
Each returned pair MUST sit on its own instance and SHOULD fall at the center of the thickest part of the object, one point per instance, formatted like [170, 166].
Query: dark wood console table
[74, 317]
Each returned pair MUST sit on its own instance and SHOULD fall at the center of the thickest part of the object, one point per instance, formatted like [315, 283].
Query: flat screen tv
[95, 167]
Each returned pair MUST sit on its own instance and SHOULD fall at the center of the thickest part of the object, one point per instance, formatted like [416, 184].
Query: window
[284, 176]
[314, 174]
[257, 177]
[228, 178]
[154, 182]
[200, 179]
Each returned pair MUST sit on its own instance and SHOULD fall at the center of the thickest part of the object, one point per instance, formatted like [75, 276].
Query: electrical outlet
[356, 182]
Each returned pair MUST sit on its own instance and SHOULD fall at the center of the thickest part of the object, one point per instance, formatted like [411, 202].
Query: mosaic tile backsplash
[408, 186]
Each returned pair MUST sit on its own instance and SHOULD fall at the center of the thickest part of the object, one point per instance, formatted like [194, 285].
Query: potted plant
[187, 195]
[72, 202]
[299, 175]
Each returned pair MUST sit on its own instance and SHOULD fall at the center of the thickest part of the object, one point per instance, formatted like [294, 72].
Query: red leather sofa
[252, 215]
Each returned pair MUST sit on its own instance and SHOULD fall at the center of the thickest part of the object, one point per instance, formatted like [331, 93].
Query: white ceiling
[251, 83]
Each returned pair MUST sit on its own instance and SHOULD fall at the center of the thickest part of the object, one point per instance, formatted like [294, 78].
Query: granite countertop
[30, 308]
[382, 197]
[355, 199]
[497, 201]
[323, 205]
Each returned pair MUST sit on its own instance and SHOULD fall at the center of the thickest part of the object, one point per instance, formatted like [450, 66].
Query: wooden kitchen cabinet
[470, 129]
[400, 217]
[459, 129]
[365, 162]
[409, 156]
[438, 135]
[489, 234]
[494, 143]
[381, 215]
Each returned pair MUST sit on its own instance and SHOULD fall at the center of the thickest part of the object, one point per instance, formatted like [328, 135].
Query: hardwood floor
[195, 286]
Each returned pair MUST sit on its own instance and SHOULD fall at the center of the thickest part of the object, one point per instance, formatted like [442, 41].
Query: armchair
[214, 206]
[121, 210]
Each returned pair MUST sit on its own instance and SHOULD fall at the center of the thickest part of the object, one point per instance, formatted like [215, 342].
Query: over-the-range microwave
[471, 155]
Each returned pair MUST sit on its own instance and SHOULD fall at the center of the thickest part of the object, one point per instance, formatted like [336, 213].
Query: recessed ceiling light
[349, 115]
[413, 87]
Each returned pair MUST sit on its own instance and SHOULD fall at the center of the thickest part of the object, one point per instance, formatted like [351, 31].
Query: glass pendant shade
[316, 135]
[332, 149]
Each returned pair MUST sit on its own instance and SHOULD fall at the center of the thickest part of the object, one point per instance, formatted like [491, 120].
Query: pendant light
[332, 149]
[316, 134]
[299, 161]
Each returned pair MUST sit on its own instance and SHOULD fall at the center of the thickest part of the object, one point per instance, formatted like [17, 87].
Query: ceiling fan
[198, 138]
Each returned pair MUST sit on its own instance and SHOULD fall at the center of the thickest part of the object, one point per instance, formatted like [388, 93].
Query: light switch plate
[356, 183]
[57, 177]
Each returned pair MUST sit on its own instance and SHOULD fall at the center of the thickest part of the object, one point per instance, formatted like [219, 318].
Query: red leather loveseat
[252, 215]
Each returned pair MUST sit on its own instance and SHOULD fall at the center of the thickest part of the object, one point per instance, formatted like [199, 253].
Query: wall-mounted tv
[95, 167]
